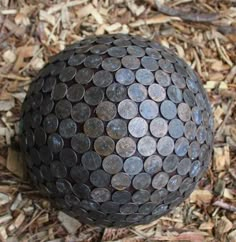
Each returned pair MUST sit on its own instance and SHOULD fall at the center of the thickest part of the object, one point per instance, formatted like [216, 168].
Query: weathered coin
[104, 145]
[162, 78]
[112, 164]
[133, 165]
[67, 74]
[125, 76]
[116, 128]
[137, 92]
[144, 76]
[91, 160]
[80, 112]
[80, 143]
[141, 181]
[120, 181]
[102, 78]
[153, 164]
[84, 75]
[157, 92]
[176, 128]
[67, 128]
[100, 178]
[160, 180]
[93, 127]
[126, 147]
[93, 96]
[116, 92]
[165, 146]
[146, 146]
[168, 109]
[130, 62]
[149, 109]
[111, 64]
[138, 127]
[100, 194]
[174, 183]
[170, 163]
[106, 110]
[149, 63]
[127, 109]
[75, 93]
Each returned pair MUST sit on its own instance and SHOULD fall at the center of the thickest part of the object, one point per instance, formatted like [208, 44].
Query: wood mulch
[203, 32]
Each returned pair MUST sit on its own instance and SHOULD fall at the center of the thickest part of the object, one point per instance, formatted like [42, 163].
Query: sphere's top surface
[117, 130]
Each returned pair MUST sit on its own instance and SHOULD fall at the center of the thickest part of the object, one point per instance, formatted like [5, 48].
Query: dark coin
[49, 84]
[142, 181]
[29, 135]
[160, 210]
[209, 138]
[174, 94]
[110, 207]
[67, 74]
[205, 118]
[158, 127]
[76, 60]
[117, 52]
[35, 157]
[200, 101]
[84, 76]
[58, 169]
[56, 69]
[125, 147]
[106, 110]
[111, 64]
[99, 49]
[160, 180]
[121, 197]
[71, 200]
[112, 164]
[79, 174]
[55, 142]
[137, 92]
[40, 136]
[100, 194]
[153, 53]
[176, 128]
[144, 76]
[139, 41]
[178, 80]
[93, 96]
[94, 127]
[36, 100]
[125, 76]
[165, 146]
[168, 56]
[166, 66]
[38, 85]
[127, 109]
[65, 55]
[159, 195]
[63, 109]
[180, 68]
[147, 208]
[104, 145]
[59, 91]
[138, 127]
[135, 51]
[129, 208]
[194, 150]
[100, 178]
[67, 128]
[93, 61]
[68, 157]
[47, 106]
[174, 183]
[133, 165]
[120, 181]
[117, 128]
[116, 92]
[122, 36]
[80, 143]
[189, 97]
[162, 78]
[89, 205]
[80, 112]
[63, 186]
[157, 92]
[91, 160]
[195, 168]
[153, 164]
[185, 185]
[190, 130]
[149, 63]
[148, 109]
[168, 109]
[122, 42]
[75, 93]
[196, 115]
[45, 154]
[181, 146]
[130, 62]
[184, 166]
[170, 163]
[102, 78]
[201, 134]
[134, 218]
[171, 197]
[82, 191]
[192, 85]
[146, 146]
[141, 196]
[204, 153]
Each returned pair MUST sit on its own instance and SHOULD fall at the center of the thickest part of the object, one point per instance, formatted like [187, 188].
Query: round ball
[117, 130]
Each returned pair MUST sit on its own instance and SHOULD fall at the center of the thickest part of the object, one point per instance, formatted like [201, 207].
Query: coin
[138, 127]
[157, 92]
[189, 97]
[122, 42]
[160, 210]
[125, 76]
[71, 200]
[75, 93]
[147, 208]
[40, 136]
[149, 63]
[158, 196]
[49, 84]
[58, 169]
[93, 61]
[178, 80]
[192, 85]
[80, 112]
[29, 135]
[80, 143]
[68, 157]
[112, 164]
[104, 39]
[67, 128]
[121, 197]
[144, 76]
[117, 52]
[67, 74]
[94, 127]
[63, 109]
[35, 157]
[89, 205]
[185, 185]
[174, 183]
[127, 109]
[158, 127]
[201, 134]
[184, 166]
[194, 150]
[99, 49]
[166, 65]
[195, 168]
[37, 100]
[133, 165]
[170, 163]
[146, 146]
[168, 56]
[79, 174]
[148, 109]
[142, 181]
[165, 146]
[84, 75]
[174, 94]
[116, 92]
[181, 146]
[59, 91]
[76, 60]
[100, 178]
[190, 130]
[137, 92]
[106, 110]
[111, 64]
[125, 147]
[162, 78]
[100, 194]
[120, 181]
[55, 142]
[129, 208]
[139, 42]
[117, 128]
[91, 160]
[102, 78]
[196, 115]
[153, 53]
[47, 106]
[200, 101]
[180, 68]
[82, 191]
[168, 109]
[141, 196]
[176, 128]
[56, 69]
[110, 207]
[130, 62]
[135, 51]
[153, 164]
[63, 186]
[104, 145]
[45, 154]
[133, 218]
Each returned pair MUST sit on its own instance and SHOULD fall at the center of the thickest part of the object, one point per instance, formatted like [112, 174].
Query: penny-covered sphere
[117, 130]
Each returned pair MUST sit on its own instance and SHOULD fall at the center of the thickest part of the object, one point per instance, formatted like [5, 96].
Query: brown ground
[31, 31]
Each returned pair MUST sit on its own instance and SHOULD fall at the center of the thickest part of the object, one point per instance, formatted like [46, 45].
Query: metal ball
[117, 130]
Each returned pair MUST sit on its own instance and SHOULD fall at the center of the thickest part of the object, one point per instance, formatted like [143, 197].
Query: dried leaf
[221, 159]
[224, 225]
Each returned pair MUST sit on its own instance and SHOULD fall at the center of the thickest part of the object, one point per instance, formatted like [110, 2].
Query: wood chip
[69, 223]
[202, 196]
[6, 105]
[224, 225]
[4, 199]
[221, 159]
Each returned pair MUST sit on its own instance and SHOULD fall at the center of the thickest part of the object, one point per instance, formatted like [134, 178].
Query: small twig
[15, 77]
[224, 205]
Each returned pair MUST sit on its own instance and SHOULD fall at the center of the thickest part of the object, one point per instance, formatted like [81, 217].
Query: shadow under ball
[117, 130]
